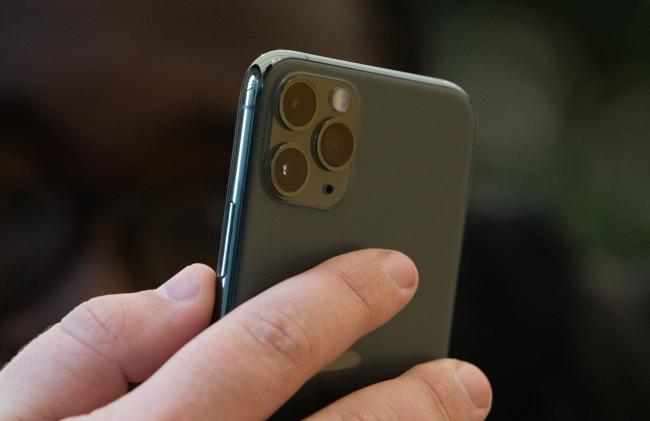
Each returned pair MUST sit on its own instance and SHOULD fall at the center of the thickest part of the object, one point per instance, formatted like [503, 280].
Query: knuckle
[280, 336]
[355, 284]
[98, 322]
[441, 398]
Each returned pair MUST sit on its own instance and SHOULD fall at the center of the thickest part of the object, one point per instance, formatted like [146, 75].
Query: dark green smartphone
[330, 157]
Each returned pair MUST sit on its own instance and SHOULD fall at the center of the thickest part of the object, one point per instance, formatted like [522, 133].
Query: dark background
[116, 123]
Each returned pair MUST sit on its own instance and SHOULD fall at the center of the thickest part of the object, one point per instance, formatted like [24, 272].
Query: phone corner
[465, 103]
[270, 58]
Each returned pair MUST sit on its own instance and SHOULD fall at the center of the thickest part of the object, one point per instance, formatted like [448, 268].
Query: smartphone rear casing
[407, 191]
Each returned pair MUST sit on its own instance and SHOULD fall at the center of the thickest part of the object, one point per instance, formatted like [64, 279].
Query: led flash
[340, 100]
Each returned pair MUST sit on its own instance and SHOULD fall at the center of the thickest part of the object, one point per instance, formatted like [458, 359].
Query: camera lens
[297, 104]
[335, 145]
[289, 170]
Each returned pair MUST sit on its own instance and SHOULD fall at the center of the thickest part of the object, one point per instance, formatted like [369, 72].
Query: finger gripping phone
[329, 157]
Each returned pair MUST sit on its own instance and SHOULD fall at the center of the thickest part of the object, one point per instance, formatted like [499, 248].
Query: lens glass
[290, 170]
[336, 145]
[298, 104]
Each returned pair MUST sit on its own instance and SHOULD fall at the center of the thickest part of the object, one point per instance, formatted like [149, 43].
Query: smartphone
[331, 156]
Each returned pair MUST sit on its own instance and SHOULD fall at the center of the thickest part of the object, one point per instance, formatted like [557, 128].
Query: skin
[263, 350]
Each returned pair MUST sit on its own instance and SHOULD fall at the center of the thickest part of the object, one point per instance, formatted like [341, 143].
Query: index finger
[249, 363]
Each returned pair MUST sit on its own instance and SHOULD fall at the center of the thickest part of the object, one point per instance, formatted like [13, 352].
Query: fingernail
[475, 384]
[184, 286]
[399, 269]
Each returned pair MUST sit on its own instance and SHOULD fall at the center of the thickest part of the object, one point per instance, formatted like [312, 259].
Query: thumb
[88, 359]
[438, 390]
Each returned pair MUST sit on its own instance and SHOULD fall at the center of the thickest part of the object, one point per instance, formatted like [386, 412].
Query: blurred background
[116, 123]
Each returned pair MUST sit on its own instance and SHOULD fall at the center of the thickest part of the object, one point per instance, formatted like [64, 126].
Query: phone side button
[225, 248]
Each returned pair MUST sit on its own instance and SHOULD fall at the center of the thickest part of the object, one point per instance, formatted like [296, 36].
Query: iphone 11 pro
[329, 157]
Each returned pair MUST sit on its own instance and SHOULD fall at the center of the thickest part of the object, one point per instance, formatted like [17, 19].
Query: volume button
[225, 248]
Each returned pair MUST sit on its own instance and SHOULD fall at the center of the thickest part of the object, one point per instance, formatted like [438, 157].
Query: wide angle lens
[297, 104]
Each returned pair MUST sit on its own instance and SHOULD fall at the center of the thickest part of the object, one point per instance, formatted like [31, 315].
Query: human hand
[246, 365]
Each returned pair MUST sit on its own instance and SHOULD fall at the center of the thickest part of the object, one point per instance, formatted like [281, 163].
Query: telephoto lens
[335, 145]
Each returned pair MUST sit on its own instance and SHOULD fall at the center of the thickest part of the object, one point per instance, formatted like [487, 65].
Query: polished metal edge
[271, 58]
[236, 183]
